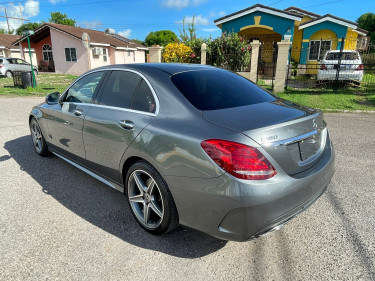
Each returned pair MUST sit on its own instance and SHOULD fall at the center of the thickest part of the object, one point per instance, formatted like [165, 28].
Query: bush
[230, 51]
[177, 52]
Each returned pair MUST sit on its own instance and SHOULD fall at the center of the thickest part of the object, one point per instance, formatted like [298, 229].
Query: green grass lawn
[328, 100]
[46, 83]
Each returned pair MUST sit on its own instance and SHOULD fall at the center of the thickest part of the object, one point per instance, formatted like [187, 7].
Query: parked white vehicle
[351, 67]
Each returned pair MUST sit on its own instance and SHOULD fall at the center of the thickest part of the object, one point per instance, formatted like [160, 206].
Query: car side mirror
[52, 98]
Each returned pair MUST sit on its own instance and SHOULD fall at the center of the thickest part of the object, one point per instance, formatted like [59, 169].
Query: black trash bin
[23, 79]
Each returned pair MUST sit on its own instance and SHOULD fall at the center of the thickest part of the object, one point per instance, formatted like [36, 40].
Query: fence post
[204, 53]
[339, 65]
[281, 65]
[255, 44]
[155, 53]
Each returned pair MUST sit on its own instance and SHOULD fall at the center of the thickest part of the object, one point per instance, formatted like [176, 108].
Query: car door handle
[78, 112]
[126, 124]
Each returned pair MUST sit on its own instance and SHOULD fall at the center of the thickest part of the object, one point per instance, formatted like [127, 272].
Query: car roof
[169, 68]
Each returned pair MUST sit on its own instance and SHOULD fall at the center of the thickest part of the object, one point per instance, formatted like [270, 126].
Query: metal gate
[267, 59]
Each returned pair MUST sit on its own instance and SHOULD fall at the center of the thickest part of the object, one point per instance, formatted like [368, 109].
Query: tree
[161, 37]
[57, 17]
[367, 22]
[4, 31]
[27, 26]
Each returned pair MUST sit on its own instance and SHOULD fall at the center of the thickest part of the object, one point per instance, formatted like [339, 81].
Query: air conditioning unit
[97, 51]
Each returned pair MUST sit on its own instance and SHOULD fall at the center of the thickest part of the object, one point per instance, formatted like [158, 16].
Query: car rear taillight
[239, 160]
[360, 67]
[323, 67]
[1, 65]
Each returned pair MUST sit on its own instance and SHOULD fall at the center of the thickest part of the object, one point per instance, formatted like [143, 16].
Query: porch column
[281, 65]
[155, 53]
[254, 60]
[203, 53]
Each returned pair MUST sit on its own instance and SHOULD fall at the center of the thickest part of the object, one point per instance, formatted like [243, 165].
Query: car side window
[120, 88]
[83, 90]
[144, 99]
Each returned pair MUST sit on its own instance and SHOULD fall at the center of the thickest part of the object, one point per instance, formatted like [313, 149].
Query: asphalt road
[57, 223]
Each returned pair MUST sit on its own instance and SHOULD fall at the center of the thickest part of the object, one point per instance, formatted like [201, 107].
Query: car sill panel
[119, 188]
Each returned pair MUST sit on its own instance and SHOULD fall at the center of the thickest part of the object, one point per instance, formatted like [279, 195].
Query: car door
[65, 123]
[23, 65]
[127, 104]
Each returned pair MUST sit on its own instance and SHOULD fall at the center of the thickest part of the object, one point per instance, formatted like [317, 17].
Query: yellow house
[312, 35]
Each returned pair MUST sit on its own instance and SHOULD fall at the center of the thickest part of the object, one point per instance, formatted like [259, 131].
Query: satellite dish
[86, 40]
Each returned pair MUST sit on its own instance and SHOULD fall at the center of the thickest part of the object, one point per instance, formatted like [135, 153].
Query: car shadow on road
[102, 206]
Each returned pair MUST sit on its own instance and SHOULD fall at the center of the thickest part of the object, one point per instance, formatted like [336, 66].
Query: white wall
[140, 56]
[60, 41]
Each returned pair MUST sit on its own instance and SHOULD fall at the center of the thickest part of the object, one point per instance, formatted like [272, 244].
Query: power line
[274, 3]
[321, 4]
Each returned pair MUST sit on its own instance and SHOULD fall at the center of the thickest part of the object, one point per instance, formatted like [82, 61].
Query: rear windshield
[345, 56]
[218, 89]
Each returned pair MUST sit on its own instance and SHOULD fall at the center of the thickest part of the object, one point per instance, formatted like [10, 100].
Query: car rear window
[218, 89]
[345, 56]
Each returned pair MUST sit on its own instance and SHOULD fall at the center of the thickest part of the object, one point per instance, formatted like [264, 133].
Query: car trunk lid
[294, 136]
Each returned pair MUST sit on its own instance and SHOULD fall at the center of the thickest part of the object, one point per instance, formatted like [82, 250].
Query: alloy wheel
[36, 136]
[145, 199]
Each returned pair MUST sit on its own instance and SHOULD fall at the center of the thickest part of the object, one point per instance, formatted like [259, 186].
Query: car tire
[9, 74]
[149, 199]
[37, 137]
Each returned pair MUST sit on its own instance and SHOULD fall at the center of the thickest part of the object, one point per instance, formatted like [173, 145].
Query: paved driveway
[58, 223]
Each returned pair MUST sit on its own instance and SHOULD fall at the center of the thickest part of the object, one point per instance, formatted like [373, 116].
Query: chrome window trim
[157, 104]
[115, 108]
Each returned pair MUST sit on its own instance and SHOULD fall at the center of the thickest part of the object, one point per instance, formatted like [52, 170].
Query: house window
[47, 53]
[104, 54]
[70, 54]
[128, 53]
[318, 48]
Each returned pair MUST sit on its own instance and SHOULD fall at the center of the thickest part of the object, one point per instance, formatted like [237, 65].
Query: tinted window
[218, 89]
[83, 89]
[144, 99]
[120, 89]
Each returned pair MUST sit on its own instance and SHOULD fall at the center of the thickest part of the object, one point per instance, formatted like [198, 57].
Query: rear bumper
[343, 75]
[233, 209]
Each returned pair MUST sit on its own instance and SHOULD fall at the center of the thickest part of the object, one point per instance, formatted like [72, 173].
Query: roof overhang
[360, 32]
[257, 8]
[142, 48]
[100, 44]
[301, 12]
[330, 19]
[126, 48]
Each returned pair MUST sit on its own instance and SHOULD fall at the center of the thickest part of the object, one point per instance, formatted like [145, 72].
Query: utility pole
[5, 9]
[21, 11]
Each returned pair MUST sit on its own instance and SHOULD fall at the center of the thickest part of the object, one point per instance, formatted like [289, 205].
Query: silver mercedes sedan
[190, 144]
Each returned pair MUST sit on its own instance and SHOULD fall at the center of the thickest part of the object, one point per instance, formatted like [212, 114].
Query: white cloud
[217, 14]
[199, 20]
[29, 9]
[180, 4]
[95, 24]
[125, 33]
[56, 1]
[214, 29]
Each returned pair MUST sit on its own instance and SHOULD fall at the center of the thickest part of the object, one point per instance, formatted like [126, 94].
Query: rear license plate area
[308, 147]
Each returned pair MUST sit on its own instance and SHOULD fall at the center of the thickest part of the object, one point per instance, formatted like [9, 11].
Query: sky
[136, 18]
